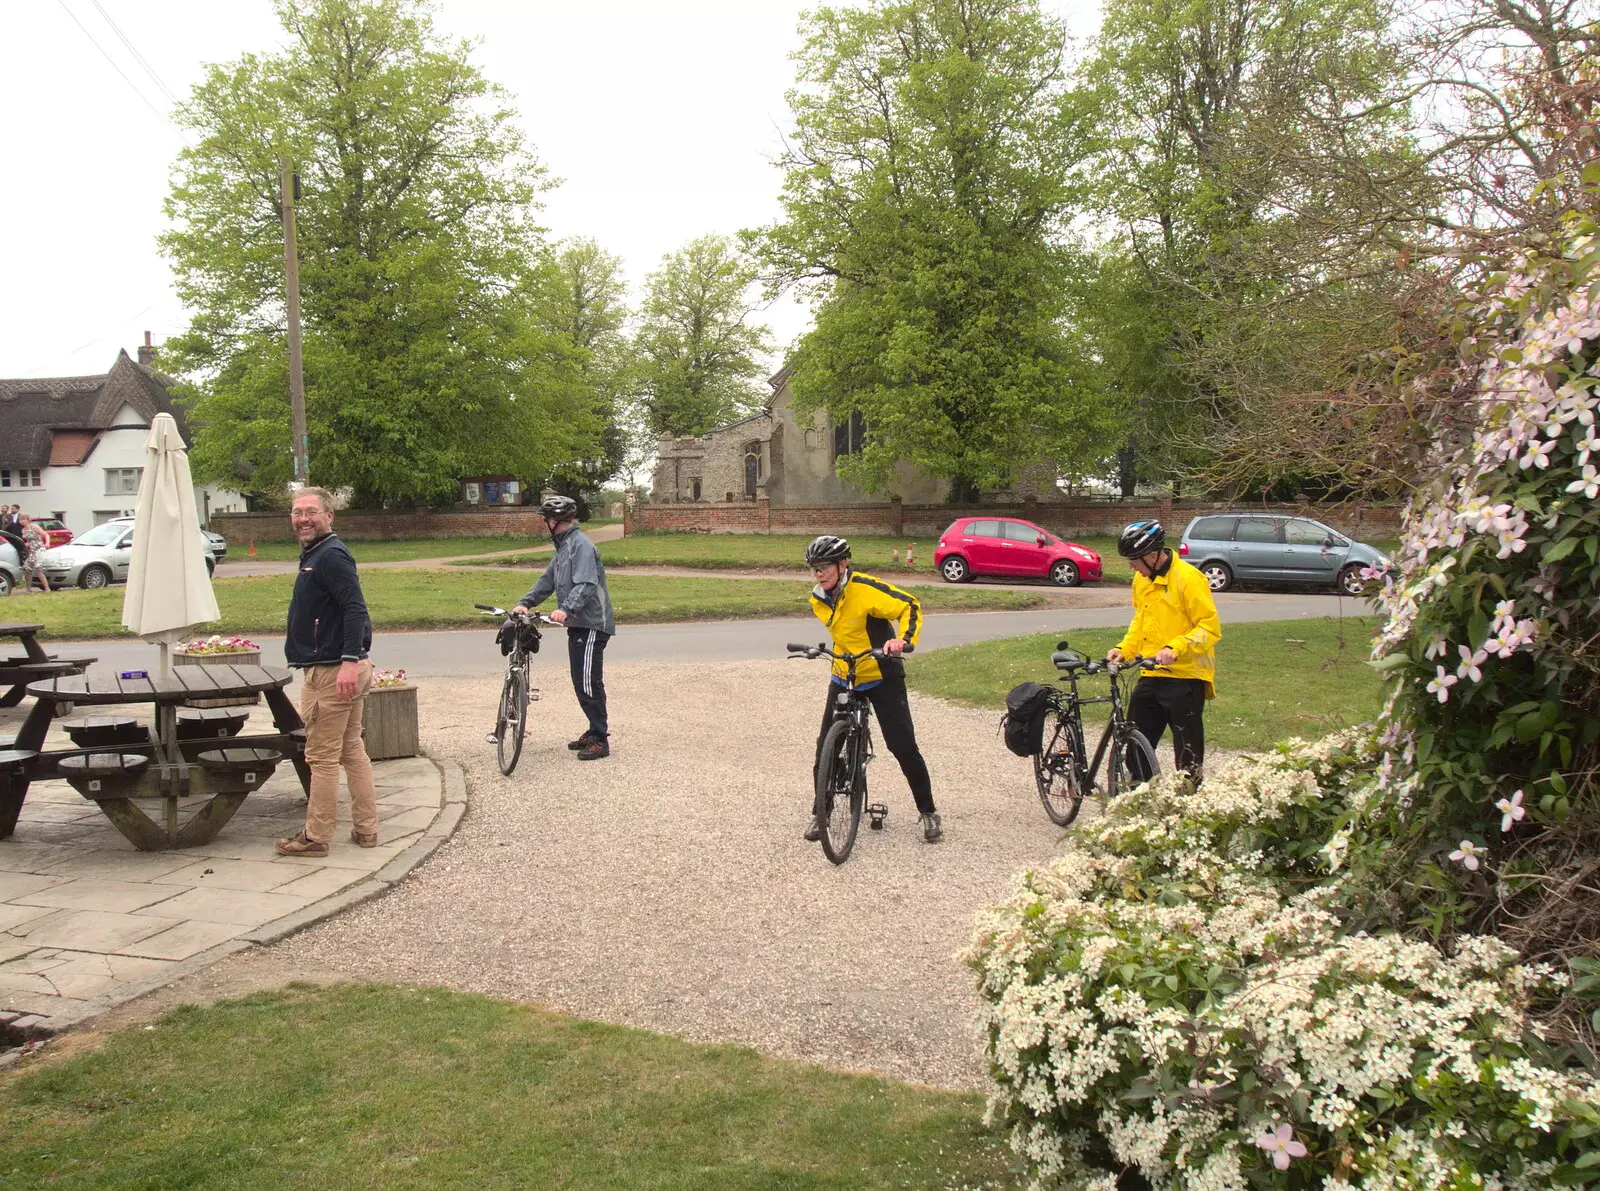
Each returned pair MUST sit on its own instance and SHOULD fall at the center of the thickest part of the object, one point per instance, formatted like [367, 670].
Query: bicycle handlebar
[1090, 667]
[491, 610]
[821, 650]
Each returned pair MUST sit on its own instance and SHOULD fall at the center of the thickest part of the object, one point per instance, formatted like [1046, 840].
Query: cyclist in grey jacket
[577, 578]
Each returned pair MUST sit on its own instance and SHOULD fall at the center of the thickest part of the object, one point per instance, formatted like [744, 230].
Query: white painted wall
[78, 494]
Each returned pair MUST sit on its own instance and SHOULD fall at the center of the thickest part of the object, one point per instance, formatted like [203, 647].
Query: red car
[55, 533]
[1004, 546]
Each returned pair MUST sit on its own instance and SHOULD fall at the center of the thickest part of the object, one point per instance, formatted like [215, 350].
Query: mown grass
[435, 598]
[1275, 679]
[391, 551]
[362, 1086]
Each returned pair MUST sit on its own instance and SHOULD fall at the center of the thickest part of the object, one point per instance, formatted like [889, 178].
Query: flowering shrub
[220, 644]
[388, 678]
[1168, 996]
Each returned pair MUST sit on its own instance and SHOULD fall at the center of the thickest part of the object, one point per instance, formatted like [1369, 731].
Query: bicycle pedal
[533, 695]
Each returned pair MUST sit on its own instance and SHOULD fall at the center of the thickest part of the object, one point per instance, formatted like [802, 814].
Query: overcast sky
[662, 117]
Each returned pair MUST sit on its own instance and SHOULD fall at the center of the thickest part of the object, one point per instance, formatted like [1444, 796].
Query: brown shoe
[299, 845]
[364, 841]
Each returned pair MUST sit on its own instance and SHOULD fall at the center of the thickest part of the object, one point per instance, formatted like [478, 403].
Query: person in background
[328, 641]
[33, 545]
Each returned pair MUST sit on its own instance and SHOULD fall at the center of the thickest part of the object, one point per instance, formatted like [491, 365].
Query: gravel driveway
[667, 887]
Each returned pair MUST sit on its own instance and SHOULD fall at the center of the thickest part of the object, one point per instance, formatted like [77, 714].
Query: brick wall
[520, 521]
[1088, 519]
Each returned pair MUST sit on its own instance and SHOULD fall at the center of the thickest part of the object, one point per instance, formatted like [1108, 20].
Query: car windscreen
[101, 535]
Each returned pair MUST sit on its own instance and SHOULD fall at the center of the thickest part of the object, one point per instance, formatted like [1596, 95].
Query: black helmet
[1140, 538]
[827, 549]
[559, 508]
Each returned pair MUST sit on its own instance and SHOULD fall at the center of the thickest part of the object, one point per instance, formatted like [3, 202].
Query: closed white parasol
[169, 592]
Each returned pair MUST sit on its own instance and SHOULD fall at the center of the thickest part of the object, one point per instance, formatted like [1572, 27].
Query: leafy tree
[583, 297]
[698, 349]
[423, 358]
[927, 192]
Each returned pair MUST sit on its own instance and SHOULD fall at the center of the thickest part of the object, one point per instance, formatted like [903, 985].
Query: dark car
[1230, 548]
[1013, 549]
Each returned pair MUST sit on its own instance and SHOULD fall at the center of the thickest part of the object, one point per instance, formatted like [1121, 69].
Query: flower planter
[242, 657]
[389, 722]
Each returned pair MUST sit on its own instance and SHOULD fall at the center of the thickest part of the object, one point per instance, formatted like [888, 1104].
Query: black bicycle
[1061, 768]
[511, 722]
[841, 785]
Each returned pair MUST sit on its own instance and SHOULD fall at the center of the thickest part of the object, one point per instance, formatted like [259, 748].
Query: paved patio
[87, 921]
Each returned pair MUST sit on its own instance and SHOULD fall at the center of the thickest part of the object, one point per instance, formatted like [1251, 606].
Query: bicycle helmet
[559, 508]
[1141, 538]
[826, 549]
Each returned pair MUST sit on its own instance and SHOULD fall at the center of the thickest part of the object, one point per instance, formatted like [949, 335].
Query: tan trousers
[333, 738]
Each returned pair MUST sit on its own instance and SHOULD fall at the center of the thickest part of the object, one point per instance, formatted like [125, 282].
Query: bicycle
[511, 722]
[1061, 767]
[841, 778]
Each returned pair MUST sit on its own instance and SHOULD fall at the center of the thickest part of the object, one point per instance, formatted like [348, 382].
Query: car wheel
[1351, 582]
[5, 583]
[1064, 573]
[955, 569]
[95, 576]
[1217, 575]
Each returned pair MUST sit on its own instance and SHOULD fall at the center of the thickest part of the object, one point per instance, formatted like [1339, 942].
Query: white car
[99, 557]
[10, 567]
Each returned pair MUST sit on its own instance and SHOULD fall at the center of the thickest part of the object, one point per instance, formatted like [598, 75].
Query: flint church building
[777, 455]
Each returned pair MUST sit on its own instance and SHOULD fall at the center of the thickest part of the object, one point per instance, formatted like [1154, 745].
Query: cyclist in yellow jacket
[863, 612]
[1175, 622]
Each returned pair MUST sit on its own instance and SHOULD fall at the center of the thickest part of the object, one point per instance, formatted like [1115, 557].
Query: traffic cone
[252, 547]
[897, 554]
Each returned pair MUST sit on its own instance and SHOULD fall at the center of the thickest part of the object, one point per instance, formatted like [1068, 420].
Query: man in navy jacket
[328, 640]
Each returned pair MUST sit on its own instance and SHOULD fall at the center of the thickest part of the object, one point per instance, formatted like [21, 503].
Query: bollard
[910, 546]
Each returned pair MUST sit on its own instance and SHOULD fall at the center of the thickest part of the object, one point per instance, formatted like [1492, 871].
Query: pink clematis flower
[1538, 455]
[1281, 1145]
[1467, 854]
[1589, 484]
[1470, 662]
[1441, 684]
[1511, 809]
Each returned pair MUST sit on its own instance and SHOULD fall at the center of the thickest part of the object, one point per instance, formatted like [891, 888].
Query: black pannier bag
[1023, 723]
[506, 637]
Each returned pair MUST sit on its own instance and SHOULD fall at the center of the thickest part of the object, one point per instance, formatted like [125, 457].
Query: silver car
[10, 567]
[99, 557]
[1230, 548]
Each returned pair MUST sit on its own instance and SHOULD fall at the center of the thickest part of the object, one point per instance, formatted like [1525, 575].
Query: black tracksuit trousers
[586, 653]
[893, 711]
[1178, 703]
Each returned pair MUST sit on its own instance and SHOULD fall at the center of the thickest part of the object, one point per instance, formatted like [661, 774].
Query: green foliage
[698, 348]
[928, 189]
[424, 358]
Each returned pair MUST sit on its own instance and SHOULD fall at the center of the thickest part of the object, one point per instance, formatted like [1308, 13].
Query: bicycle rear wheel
[841, 791]
[1131, 765]
[513, 718]
[1059, 768]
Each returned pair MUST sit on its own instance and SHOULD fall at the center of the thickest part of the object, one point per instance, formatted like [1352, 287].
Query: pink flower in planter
[1281, 1145]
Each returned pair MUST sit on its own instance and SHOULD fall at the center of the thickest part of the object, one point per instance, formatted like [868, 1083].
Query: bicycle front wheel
[1133, 764]
[513, 718]
[841, 791]
[1059, 769]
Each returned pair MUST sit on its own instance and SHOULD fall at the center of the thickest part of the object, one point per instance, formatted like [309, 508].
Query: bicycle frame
[1071, 703]
[851, 706]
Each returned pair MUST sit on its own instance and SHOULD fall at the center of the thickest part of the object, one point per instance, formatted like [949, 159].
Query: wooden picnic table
[34, 664]
[163, 767]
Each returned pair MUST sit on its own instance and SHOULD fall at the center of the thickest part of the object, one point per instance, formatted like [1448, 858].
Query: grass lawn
[363, 1086]
[1275, 679]
[434, 598]
[394, 551]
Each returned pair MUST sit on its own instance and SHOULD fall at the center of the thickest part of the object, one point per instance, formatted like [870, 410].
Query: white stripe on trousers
[588, 665]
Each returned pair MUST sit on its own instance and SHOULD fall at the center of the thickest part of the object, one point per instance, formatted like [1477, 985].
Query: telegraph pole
[287, 185]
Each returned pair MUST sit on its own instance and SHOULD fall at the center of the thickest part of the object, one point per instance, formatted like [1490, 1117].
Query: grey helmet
[827, 549]
[558, 508]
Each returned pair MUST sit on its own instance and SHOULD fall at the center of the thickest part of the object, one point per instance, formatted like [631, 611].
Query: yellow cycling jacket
[863, 612]
[1176, 611]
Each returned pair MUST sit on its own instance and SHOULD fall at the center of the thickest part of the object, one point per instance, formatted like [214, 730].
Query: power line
[109, 59]
[137, 56]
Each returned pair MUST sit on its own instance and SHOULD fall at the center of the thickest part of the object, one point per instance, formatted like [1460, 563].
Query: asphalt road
[466, 653]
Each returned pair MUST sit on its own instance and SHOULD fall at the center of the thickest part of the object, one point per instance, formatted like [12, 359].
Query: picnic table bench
[33, 664]
[170, 763]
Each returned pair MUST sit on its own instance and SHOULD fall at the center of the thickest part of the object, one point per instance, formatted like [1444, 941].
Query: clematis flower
[1589, 485]
[1511, 809]
[1467, 854]
[1281, 1146]
[1441, 684]
[1538, 455]
[1470, 662]
[1436, 648]
[1587, 444]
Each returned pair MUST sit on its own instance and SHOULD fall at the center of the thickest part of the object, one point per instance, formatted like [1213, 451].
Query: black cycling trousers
[1178, 703]
[586, 650]
[893, 710]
